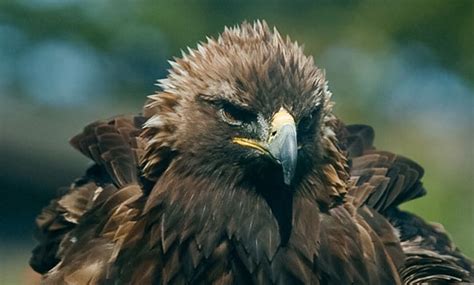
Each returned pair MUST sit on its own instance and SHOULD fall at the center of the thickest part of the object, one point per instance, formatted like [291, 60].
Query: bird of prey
[237, 171]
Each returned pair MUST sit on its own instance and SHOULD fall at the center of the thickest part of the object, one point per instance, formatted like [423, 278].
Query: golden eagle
[238, 172]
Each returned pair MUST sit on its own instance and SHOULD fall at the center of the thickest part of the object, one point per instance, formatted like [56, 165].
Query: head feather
[244, 62]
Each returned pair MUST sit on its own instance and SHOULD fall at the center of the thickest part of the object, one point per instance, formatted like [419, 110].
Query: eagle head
[249, 101]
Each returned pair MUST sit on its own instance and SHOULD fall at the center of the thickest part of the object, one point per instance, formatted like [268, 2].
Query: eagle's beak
[281, 145]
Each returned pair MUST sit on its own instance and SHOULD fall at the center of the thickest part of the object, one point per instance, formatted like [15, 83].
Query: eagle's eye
[234, 115]
[308, 121]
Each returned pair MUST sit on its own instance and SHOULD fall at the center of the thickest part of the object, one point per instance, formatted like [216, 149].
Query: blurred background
[406, 68]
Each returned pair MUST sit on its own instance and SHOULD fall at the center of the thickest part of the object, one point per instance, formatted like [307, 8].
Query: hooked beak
[281, 145]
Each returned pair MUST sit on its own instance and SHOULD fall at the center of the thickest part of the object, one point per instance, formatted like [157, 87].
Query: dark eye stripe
[236, 114]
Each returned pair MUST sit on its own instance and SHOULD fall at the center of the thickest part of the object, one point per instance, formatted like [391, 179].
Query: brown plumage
[238, 173]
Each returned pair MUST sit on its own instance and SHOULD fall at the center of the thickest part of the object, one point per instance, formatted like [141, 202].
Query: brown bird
[238, 172]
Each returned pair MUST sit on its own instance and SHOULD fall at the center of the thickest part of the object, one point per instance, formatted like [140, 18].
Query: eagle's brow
[216, 99]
